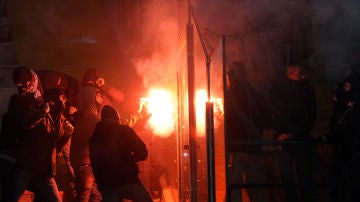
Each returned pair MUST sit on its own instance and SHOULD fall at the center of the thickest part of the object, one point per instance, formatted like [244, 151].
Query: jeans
[43, 186]
[134, 192]
[85, 185]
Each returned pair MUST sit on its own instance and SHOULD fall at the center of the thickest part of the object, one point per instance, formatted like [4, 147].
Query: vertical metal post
[210, 151]
[225, 124]
[192, 114]
[210, 134]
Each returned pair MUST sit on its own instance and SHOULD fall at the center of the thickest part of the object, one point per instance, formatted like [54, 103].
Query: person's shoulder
[15, 97]
[124, 127]
[21, 101]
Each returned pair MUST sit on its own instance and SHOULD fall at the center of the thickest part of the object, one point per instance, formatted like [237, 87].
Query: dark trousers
[299, 155]
[43, 186]
[85, 185]
[6, 172]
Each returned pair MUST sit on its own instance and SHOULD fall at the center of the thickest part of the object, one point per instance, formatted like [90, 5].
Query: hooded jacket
[34, 134]
[85, 121]
[115, 150]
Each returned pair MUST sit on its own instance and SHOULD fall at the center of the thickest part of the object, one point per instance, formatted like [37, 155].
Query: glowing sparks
[160, 105]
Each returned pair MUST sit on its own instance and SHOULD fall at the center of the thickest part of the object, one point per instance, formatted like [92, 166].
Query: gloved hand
[99, 82]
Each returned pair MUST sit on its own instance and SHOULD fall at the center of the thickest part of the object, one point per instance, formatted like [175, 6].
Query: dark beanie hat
[91, 74]
[109, 112]
[21, 74]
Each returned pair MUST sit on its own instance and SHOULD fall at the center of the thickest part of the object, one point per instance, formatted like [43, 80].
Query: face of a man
[233, 75]
[23, 87]
[60, 104]
[294, 73]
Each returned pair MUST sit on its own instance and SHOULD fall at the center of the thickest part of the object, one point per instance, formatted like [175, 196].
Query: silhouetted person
[246, 159]
[91, 102]
[12, 130]
[57, 99]
[345, 138]
[109, 94]
[51, 79]
[44, 133]
[294, 119]
[115, 150]
[56, 79]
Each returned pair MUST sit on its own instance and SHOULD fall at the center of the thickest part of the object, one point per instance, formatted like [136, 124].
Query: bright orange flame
[200, 101]
[160, 105]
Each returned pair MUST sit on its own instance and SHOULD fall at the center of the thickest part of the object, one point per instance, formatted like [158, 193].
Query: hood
[109, 113]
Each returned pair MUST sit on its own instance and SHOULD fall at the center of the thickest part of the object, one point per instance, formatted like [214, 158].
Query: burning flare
[160, 105]
[200, 101]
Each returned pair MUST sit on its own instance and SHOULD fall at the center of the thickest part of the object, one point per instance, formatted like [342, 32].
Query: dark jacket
[36, 136]
[38, 147]
[300, 109]
[238, 124]
[85, 121]
[293, 105]
[13, 126]
[114, 151]
[344, 124]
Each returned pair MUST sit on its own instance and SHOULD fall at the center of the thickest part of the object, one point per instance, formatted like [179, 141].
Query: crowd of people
[288, 114]
[52, 116]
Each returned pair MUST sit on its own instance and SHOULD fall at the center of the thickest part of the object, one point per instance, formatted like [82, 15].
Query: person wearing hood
[27, 117]
[43, 132]
[109, 94]
[85, 119]
[115, 150]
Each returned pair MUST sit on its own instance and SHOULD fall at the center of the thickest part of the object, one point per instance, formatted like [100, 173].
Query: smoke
[159, 68]
[264, 34]
[336, 36]
[157, 60]
[270, 29]
[258, 33]
[233, 16]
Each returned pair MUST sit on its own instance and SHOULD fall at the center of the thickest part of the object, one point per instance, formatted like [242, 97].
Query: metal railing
[311, 185]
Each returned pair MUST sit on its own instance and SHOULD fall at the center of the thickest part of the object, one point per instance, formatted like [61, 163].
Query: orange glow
[160, 105]
[200, 101]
